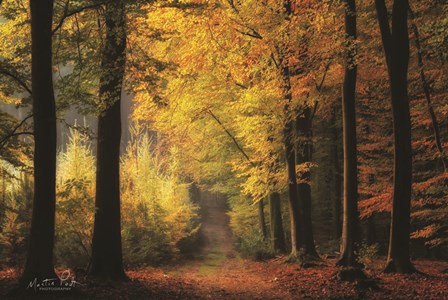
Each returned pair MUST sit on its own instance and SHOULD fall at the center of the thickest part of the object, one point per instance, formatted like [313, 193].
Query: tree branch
[386, 34]
[319, 87]
[426, 90]
[68, 13]
[231, 136]
[252, 34]
[14, 132]
[15, 76]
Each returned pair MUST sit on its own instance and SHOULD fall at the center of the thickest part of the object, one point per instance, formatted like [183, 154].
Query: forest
[223, 149]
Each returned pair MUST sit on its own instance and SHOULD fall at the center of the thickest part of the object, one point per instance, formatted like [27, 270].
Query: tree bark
[350, 224]
[304, 155]
[261, 219]
[371, 230]
[276, 224]
[336, 174]
[396, 47]
[39, 263]
[294, 207]
[106, 244]
[288, 141]
[427, 92]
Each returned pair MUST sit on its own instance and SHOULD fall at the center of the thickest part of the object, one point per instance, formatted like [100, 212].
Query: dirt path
[219, 272]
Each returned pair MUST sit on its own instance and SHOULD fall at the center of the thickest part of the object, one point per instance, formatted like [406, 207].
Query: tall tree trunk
[288, 140]
[304, 155]
[294, 207]
[336, 174]
[261, 219]
[371, 226]
[39, 263]
[106, 244]
[276, 223]
[371, 230]
[350, 225]
[396, 46]
[426, 90]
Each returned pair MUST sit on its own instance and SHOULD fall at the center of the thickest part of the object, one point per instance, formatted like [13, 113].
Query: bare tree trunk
[350, 224]
[39, 263]
[371, 230]
[396, 47]
[276, 223]
[294, 207]
[261, 219]
[288, 140]
[106, 244]
[336, 174]
[304, 155]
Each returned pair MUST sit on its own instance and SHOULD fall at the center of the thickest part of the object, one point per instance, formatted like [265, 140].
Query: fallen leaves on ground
[244, 279]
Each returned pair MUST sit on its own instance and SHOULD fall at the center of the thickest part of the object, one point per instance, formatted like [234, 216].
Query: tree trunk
[351, 224]
[426, 90]
[396, 46]
[39, 263]
[294, 208]
[336, 174]
[261, 219]
[294, 213]
[276, 223]
[106, 244]
[371, 230]
[288, 140]
[304, 153]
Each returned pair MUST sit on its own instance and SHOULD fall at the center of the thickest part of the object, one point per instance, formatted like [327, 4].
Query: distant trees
[39, 263]
[276, 224]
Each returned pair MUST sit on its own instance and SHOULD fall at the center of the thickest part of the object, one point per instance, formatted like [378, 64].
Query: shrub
[157, 212]
[15, 220]
[253, 246]
[367, 254]
[245, 229]
[75, 201]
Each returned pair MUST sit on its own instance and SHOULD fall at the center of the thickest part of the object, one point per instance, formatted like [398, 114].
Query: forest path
[219, 272]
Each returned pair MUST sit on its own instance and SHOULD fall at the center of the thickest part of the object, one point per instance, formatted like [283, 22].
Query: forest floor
[219, 273]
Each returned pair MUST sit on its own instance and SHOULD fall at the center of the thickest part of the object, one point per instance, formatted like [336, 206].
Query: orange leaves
[431, 235]
[431, 182]
[426, 232]
[380, 203]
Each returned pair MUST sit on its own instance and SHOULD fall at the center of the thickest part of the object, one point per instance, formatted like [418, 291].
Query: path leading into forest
[219, 272]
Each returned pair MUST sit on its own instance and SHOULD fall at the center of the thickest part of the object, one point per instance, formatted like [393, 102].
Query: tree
[350, 223]
[336, 174]
[294, 204]
[427, 91]
[288, 140]
[396, 48]
[261, 219]
[106, 242]
[276, 224]
[39, 263]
